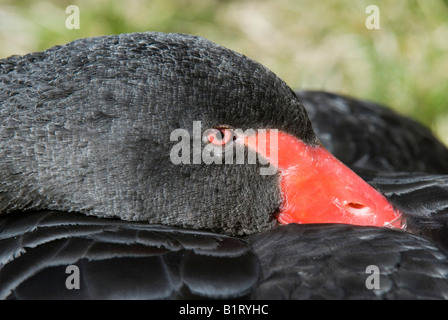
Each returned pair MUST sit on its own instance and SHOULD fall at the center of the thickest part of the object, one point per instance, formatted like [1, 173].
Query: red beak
[318, 188]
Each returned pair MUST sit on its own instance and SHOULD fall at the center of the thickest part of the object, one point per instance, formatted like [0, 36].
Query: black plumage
[85, 128]
[366, 135]
[130, 260]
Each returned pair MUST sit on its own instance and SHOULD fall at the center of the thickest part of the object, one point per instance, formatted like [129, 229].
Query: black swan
[103, 169]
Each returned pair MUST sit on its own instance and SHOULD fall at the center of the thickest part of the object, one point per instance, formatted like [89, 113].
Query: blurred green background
[309, 44]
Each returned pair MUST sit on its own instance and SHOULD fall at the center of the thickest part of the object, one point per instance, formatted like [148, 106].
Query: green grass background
[310, 44]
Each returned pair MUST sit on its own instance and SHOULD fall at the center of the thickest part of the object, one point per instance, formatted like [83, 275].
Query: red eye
[219, 136]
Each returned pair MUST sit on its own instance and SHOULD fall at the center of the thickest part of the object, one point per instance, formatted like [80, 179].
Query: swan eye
[219, 136]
